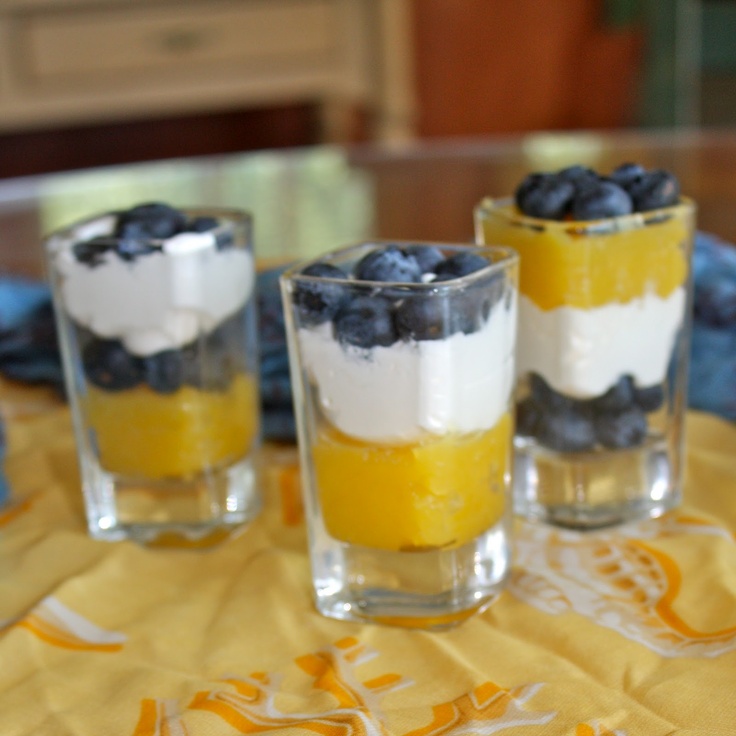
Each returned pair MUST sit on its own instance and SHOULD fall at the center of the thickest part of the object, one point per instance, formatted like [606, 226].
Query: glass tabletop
[309, 200]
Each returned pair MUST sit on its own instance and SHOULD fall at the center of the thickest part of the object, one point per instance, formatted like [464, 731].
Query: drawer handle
[182, 41]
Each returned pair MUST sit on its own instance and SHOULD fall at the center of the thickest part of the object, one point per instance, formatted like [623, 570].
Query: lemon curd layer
[439, 493]
[584, 264]
[143, 433]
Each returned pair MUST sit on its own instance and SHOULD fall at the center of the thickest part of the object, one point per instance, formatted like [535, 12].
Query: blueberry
[388, 264]
[569, 429]
[546, 397]
[655, 189]
[649, 399]
[365, 322]
[578, 175]
[208, 362]
[90, 252]
[164, 371]
[319, 301]
[618, 397]
[153, 220]
[201, 224]
[427, 256]
[627, 174]
[623, 429]
[547, 197]
[600, 200]
[528, 415]
[424, 318]
[528, 183]
[462, 263]
[108, 365]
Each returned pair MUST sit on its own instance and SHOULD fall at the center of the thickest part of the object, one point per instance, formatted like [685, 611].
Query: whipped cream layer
[401, 393]
[160, 300]
[583, 352]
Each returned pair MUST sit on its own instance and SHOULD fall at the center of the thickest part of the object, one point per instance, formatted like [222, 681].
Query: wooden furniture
[74, 62]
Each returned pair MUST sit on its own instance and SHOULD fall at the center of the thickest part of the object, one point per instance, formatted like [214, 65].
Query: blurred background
[96, 82]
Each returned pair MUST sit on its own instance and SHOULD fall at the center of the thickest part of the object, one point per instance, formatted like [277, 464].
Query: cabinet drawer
[81, 43]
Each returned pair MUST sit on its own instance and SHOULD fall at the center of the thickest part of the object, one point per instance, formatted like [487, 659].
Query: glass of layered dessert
[402, 360]
[155, 312]
[603, 341]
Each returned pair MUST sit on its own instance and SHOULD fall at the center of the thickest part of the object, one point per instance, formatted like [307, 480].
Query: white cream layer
[400, 393]
[157, 301]
[583, 352]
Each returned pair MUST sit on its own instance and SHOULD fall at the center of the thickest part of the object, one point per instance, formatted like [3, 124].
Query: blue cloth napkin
[712, 385]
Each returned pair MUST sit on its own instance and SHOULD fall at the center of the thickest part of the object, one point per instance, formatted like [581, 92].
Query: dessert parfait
[155, 313]
[402, 357]
[605, 288]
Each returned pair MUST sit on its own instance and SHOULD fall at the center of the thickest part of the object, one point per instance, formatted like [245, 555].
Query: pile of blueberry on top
[374, 316]
[140, 231]
[579, 193]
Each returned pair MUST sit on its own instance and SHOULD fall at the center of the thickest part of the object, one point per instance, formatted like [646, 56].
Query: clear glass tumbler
[402, 394]
[604, 327]
[155, 313]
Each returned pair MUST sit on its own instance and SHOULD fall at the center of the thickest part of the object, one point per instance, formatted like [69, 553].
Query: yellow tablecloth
[622, 632]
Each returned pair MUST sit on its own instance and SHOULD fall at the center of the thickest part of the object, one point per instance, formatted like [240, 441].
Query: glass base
[428, 589]
[194, 512]
[592, 490]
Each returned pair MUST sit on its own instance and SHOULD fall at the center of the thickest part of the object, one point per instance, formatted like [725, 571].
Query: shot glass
[602, 359]
[403, 381]
[155, 314]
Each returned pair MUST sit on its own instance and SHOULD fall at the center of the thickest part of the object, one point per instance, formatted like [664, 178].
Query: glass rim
[508, 257]
[635, 220]
[229, 216]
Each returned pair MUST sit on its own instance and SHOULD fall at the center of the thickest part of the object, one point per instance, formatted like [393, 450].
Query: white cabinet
[65, 62]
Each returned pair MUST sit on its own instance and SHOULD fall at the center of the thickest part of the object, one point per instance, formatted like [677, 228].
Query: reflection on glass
[303, 202]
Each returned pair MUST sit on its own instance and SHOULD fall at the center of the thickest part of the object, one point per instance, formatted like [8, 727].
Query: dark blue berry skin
[109, 366]
[654, 190]
[546, 397]
[319, 301]
[568, 429]
[528, 415]
[601, 200]
[201, 224]
[621, 430]
[425, 318]
[548, 197]
[427, 256]
[90, 252]
[153, 220]
[627, 174]
[617, 398]
[460, 264]
[649, 399]
[209, 362]
[366, 322]
[529, 182]
[164, 371]
[389, 264]
[578, 175]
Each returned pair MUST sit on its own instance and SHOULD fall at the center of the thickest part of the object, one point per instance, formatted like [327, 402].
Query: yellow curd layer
[143, 433]
[560, 265]
[440, 493]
